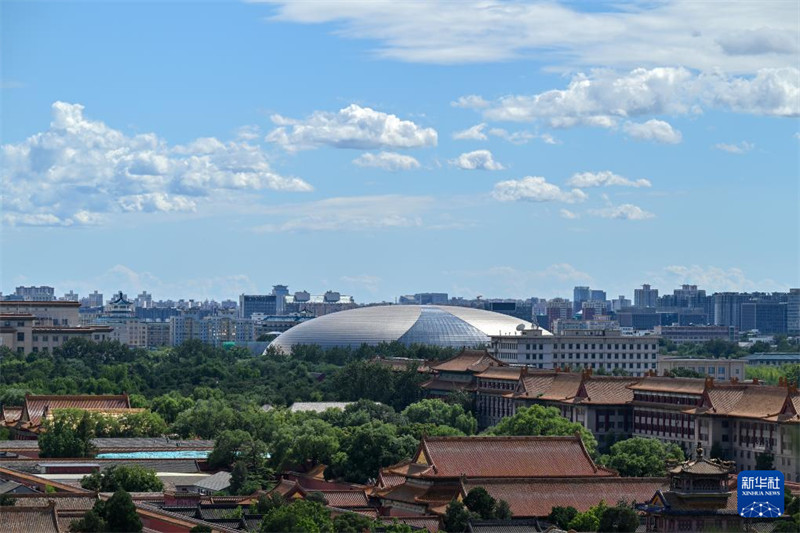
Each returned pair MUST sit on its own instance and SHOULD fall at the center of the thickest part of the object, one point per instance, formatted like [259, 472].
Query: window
[35, 349]
[20, 336]
[45, 338]
[35, 338]
[20, 324]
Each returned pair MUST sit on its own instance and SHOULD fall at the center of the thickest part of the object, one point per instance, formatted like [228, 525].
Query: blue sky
[203, 149]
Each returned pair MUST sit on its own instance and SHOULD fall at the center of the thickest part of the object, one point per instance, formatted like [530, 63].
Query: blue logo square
[760, 493]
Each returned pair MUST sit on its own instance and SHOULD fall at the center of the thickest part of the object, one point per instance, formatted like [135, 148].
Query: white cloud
[758, 42]
[517, 137]
[716, 279]
[566, 213]
[475, 133]
[604, 97]
[477, 160]
[354, 213]
[605, 178]
[471, 101]
[80, 169]
[387, 161]
[741, 148]
[623, 212]
[653, 130]
[742, 37]
[351, 127]
[365, 281]
[535, 189]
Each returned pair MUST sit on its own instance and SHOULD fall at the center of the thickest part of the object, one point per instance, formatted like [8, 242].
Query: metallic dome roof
[437, 325]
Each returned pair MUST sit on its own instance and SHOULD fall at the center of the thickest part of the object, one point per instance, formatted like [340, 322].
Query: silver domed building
[437, 325]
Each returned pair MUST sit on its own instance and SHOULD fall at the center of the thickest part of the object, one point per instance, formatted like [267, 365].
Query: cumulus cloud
[653, 130]
[391, 161]
[566, 213]
[80, 169]
[475, 133]
[741, 148]
[759, 42]
[699, 35]
[471, 101]
[351, 127]
[535, 189]
[605, 178]
[604, 97]
[351, 213]
[517, 137]
[623, 212]
[477, 160]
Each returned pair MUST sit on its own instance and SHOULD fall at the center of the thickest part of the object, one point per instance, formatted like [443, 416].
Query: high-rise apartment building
[645, 297]
[36, 294]
[95, 299]
[620, 303]
[727, 309]
[793, 312]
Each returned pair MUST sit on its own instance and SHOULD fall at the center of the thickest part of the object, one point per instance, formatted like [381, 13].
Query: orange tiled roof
[565, 385]
[63, 501]
[534, 384]
[751, 401]
[507, 457]
[677, 385]
[511, 373]
[446, 385]
[431, 523]
[607, 390]
[535, 497]
[11, 414]
[35, 406]
[468, 361]
[344, 498]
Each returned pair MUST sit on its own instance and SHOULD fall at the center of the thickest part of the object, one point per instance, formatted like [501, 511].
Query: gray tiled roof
[217, 482]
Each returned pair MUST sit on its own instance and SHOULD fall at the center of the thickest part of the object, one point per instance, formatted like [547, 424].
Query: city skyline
[241, 145]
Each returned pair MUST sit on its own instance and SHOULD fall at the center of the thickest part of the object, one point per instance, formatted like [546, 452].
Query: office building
[765, 317]
[266, 304]
[620, 303]
[95, 299]
[722, 369]
[727, 309]
[35, 294]
[580, 295]
[697, 334]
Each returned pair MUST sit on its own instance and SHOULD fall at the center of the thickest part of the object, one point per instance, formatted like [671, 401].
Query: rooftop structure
[773, 358]
[445, 326]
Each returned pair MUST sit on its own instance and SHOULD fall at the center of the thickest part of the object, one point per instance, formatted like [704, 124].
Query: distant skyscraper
[793, 312]
[71, 296]
[257, 303]
[620, 303]
[280, 292]
[36, 294]
[767, 317]
[598, 296]
[559, 308]
[580, 295]
[431, 298]
[728, 308]
[645, 297]
[144, 300]
[95, 299]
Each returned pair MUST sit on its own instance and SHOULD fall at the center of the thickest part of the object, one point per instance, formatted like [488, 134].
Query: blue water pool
[177, 454]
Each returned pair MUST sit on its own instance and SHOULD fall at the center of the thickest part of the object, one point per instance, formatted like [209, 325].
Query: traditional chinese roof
[345, 499]
[437, 384]
[509, 373]
[665, 502]
[474, 361]
[23, 519]
[752, 401]
[533, 384]
[606, 390]
[506, 457]
[700, 465]
[536, 497]
[36, 407]
[9, 415]
[676, 385]
[431, 523]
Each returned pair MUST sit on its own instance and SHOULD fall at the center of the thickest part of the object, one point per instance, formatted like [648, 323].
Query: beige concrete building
[722, 369]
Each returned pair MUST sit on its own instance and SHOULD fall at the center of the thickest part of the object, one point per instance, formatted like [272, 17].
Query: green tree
[620, 518]
[267, 502]
[765, 461]
[437, 412]
[503, 510]
[131, 478]
[352, 523]
[367, 448]
[300, 515]
[227, 447]
[118, 514]
[457, 517]
[169, 406]
[562, 516]
[7, 500]
[641, 457]
[540, 420]
[584, 522]
[308, 443]
[681, 372]
[68, 434]
[480, 502]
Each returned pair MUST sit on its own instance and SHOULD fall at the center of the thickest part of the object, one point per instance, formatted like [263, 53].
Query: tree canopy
[641, 457]
[130, 478]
